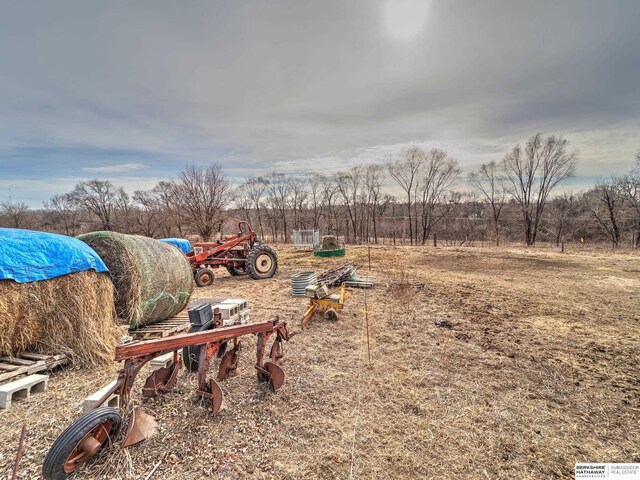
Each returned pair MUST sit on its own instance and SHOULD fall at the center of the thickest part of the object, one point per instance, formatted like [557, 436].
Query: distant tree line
[511, 200]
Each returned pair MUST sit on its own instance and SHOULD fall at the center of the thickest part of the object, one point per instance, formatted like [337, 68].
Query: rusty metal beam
[176, 342]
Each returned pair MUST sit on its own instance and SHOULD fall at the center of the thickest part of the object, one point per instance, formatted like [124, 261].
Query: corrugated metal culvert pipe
[300, 281]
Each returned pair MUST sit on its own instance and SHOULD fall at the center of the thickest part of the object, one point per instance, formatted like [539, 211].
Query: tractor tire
[262, 262]
[64, 457]
[204, 277]
[235, 271]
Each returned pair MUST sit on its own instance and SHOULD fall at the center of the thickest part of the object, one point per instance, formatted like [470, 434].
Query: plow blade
[276, 375]
[141, 427]
[161, 381]
[228, 364]
[214, 394]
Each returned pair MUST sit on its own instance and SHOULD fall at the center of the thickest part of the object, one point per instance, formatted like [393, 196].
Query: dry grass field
[511, 363]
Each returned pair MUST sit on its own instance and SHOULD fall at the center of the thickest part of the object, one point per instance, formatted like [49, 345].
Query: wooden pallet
[161, 329]
[28, 363]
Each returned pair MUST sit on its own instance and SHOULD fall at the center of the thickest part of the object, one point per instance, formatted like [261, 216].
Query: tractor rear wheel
[204, 277]
[262, 262]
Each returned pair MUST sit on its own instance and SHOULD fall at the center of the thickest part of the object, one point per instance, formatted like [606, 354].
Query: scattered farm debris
[356, 281]
[335, 276]
[302, 280]
[405, 283]
[19, 453]
[29, 363]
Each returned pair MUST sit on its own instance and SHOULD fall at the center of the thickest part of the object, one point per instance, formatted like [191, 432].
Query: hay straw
[152, 279]
[71, 314]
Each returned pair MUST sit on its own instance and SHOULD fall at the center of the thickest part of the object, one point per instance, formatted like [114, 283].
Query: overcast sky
[133, 91]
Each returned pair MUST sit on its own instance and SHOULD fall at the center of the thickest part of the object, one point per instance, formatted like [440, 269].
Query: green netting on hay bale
[152, 279]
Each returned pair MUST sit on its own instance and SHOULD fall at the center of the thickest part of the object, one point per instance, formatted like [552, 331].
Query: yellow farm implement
[324, 304]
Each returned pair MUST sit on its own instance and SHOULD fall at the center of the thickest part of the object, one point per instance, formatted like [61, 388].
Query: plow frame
[137, 355]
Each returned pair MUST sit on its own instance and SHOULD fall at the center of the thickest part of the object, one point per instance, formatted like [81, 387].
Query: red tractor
[241, 254]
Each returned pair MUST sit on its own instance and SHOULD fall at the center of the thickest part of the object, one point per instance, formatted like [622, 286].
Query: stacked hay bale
[152, 279]
[55, 296]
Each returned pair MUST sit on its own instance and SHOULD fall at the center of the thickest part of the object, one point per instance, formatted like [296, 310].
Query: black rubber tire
[53, 466]
[252, 259]
[191, 354]
[203, 272]
[235, 271]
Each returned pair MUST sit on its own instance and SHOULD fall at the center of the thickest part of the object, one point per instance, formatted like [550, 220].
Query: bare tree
[605, 203]
[15, 214]
[630, 189]
[315, 182]
[99, 197]
[533, 172]
[405, 173]
[437, 174]
[255, 188]
[63, 213]
[242, 202]
[150, 213]
[202, 194]
[376, 202]
[299, 196]
[125, 213]
[166, 193]
[562, 209]
[489, 181]
[329, 193]
[349, 184]
[279, 189]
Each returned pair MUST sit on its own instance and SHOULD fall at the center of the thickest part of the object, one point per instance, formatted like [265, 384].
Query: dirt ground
[510, 363]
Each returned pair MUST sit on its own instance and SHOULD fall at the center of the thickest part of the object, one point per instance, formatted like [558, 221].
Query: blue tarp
[28, 256]
[181, 243]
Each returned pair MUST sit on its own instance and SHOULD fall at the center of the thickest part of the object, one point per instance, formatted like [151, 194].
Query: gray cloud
[262, 85]
[119, 168]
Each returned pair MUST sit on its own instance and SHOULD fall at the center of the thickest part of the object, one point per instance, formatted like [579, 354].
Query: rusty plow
[89, 433]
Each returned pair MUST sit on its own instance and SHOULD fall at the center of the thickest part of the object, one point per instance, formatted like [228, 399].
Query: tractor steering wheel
[245, 228]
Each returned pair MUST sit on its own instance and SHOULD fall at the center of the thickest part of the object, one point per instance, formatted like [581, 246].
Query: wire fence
[305, 238]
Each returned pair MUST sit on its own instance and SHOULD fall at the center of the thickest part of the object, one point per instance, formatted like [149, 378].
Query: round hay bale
[330, 242]
[72, 314]
[152, 279]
